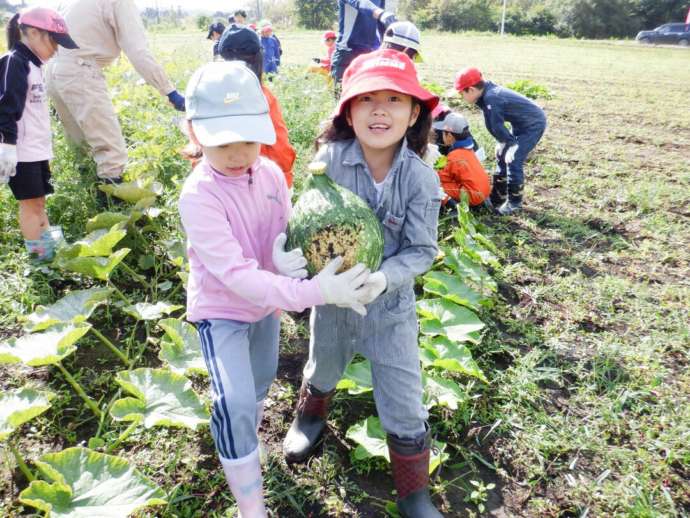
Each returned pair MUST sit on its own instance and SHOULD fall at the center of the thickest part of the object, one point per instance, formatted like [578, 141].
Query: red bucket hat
[384, 69]
[50, 21]
[467, 77]
[329, 35]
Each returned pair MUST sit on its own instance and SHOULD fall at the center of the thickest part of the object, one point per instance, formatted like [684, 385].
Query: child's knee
[233, 426]
[33, 205]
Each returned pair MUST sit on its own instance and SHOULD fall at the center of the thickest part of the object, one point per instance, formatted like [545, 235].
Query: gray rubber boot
[307, 427]
[410, 465]
[514, 202]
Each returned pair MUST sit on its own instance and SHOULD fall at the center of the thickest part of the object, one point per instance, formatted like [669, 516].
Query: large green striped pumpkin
[329, 220]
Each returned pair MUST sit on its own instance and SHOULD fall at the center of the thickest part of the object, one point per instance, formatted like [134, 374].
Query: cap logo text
[383, 62]
[231, 97]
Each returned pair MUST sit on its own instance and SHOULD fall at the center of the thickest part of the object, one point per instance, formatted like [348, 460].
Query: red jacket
[464, 172]
[282, 153]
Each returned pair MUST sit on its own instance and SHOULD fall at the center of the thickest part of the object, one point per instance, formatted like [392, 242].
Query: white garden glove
[375, 285]
[292, 263]
[499, 149]
[342, 289]
[510, 154]
[8, 162]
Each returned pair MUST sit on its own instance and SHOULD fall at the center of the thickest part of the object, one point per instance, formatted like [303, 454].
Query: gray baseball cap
[454, 123]
[226, 104]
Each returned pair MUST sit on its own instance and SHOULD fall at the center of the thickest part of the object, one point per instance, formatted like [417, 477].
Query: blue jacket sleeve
[363, 6]
[497, 124]
[13, 87]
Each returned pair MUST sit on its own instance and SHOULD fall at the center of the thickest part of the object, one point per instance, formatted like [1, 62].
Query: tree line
[565, 18]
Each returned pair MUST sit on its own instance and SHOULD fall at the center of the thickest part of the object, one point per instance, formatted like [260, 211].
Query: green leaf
[176, 250]
[133, 192]
[452, 288]
[467, 268]
[98, 267]
[442, 317]
[108, 219]
[146, 311]
[75, 307]
[87, 483]
[45, 348]
[445, 354]
[442, 392]
[357, 378]
[21, 405]
[181, 348]
[161, 398]
[98, 243]
[371, 442]
[475, 250]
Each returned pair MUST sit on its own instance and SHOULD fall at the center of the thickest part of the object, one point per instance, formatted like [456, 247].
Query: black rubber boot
[307, 427]
[410, 465]
[499, 191]
[514, 202]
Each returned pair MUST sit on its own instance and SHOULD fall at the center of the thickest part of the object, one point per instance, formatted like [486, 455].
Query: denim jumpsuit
[387, 335]
[528, 122]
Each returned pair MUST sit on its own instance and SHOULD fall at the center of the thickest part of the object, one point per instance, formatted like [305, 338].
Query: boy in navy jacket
[527, 121]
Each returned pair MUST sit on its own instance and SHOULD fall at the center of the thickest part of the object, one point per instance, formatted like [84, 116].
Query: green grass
[588, 410]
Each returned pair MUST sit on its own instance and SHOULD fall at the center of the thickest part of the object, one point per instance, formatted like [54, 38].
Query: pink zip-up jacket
[231, 223]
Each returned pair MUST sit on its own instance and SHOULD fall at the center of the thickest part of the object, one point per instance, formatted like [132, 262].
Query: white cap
[404, 34]
[453, 123]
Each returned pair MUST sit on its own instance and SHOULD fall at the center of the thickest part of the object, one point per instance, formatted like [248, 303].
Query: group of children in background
[235, 206]
[270, 44]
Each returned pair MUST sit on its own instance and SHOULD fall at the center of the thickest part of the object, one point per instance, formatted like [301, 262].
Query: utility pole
[258, 10]
[503, 17]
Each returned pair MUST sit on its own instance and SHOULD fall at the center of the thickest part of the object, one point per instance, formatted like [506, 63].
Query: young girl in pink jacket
[235, 208]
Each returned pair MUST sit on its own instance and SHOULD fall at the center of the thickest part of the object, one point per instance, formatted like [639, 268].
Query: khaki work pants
[80, 95]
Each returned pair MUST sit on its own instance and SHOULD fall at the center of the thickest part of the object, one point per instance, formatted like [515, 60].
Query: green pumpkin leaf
[146, 311]
[452, 288]
[75, 307]
[181, 347]
[475, 250]
[442, 317]
[176, 250]
[98, 267]
[445, 354]
[356, 378]
[371, 442]
[467, 268]
[98, 243]
[442, 392]
[21, 405]
[161, 398]
[45, 348]
[133, 192]
[87, 483]
[106, 220]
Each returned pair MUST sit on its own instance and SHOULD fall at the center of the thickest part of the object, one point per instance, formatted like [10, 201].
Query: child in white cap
[25, 135]
[235, 208]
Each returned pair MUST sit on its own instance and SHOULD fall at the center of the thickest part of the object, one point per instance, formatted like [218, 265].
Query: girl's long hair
[417, 135]
[255, 62]
[14, 31]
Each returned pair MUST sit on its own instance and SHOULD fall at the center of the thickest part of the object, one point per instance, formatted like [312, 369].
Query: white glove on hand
[372, 288]
[8, 162]
[510, 154]
[499, 149]
[342, 289]
[292, 263]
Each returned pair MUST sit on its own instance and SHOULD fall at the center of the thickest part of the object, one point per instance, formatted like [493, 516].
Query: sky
[210, 5]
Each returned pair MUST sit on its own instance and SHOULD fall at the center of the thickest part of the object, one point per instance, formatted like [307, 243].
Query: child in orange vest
[463, 170]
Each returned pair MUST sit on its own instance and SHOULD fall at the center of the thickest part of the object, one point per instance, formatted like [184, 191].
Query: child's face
[448, 138]
[215, 36]
[232, 159]
[471, 95]
[380, 119]
[330, 42]
[41, 43]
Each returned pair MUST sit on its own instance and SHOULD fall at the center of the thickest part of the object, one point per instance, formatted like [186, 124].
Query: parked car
[669, 33]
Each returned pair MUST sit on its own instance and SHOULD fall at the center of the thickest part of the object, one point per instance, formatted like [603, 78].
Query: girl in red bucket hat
[25, 135]
[372, 147]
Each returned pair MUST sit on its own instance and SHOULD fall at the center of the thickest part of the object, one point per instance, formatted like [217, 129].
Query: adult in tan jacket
[76, 84]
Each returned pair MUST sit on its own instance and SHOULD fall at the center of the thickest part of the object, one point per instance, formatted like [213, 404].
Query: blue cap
[239, 39]
[226, 104]
[215, 27]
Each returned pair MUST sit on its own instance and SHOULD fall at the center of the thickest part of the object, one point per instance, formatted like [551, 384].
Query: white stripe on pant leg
[246, 483]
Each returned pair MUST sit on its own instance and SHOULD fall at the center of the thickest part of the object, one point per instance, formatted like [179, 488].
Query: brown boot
[410, 465]
[307, 427]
